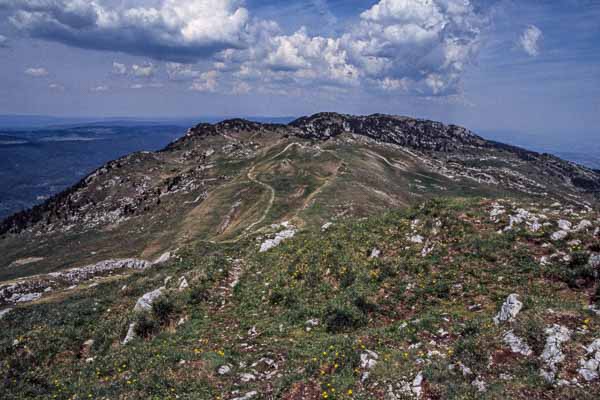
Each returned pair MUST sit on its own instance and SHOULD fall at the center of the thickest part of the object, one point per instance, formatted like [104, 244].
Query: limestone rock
[144, 303]
[517, 345]
[130, 333]
[552, 354]
[559, 235]
[509, 310]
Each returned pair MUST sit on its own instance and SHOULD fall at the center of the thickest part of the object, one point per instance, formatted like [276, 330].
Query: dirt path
[252, 178]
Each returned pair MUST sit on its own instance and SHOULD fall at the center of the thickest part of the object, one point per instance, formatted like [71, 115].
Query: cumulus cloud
[56, 86]
[206, 82]
[3, 41]
[119, 69]
[420, 47]
[172, 30]
[100, 88]
[416, 46]
[181, 72]
[241, 87]
[143, 71]
[530, 40]
[36, 72]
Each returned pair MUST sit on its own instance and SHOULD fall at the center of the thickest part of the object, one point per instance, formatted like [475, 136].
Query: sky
[526, 66]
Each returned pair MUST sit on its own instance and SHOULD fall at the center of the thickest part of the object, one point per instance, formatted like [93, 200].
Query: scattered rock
[311, 323]
[276, 241]
[416, 385]
[86, 348]
[517, 345]
[375, 253]
[479, 384]
[144, 303]
[4, 312]
[564, 225]
[590, 368]
[224, 369]
[246, 377]
[183, 283]
[24, 298]
[165, 257]
[326, 226]
[583, 225]
[417, 239]
[247, 396]
[130, 333]
[509, 310]
[559, 235]
[368, 359]
[553, 355]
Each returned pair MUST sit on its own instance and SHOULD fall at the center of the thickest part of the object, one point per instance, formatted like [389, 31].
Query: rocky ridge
[114, 194]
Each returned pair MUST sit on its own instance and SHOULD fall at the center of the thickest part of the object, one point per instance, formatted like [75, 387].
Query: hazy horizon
[483, 64]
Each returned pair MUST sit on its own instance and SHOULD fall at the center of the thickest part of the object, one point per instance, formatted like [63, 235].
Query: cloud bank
[402, 46]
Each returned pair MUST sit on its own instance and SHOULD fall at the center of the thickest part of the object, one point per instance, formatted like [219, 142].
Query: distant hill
[40, 121]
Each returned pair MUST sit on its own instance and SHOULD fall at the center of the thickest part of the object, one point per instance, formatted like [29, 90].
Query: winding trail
[252, 178]
[251, 175]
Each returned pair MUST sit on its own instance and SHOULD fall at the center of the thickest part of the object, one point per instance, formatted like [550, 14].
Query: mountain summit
[334, 257]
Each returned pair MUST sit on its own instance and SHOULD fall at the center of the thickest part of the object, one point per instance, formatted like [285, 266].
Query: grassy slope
[384, 305]
[312, 183]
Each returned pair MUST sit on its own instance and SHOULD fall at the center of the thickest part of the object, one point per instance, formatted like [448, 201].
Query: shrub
[145, 325]
[579, 273]
[198, 293]
[163, 309]
[341, 317]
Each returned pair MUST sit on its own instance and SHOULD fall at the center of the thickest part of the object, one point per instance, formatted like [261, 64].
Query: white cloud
[119, 69]
[530, 40]
[241, 87]
[207, 82]
[413, 46]
[144, 86]
[36, 72]
[172, 30]
[420, 47]
[143, 71]
[181, 72]
[56, 86]
[100, 88]
[3, 41]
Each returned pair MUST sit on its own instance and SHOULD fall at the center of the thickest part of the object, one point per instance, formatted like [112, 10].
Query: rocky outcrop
[553, 355]
[516, 344]
[590, 365]
[30, 289]
[144, 303]
[509, 310]
[287, 233]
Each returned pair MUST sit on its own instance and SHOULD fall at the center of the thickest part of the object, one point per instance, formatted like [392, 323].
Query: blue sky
[493, 65]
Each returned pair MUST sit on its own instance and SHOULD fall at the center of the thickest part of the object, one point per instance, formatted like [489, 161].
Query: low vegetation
[395, 306]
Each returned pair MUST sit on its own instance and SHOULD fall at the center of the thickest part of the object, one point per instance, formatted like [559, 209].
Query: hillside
[335, 257]
[231, 179]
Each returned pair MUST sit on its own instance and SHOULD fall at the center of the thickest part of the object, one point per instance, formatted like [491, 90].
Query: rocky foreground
[452, 299]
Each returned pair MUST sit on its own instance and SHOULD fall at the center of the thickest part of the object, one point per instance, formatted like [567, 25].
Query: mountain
[336, 256]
